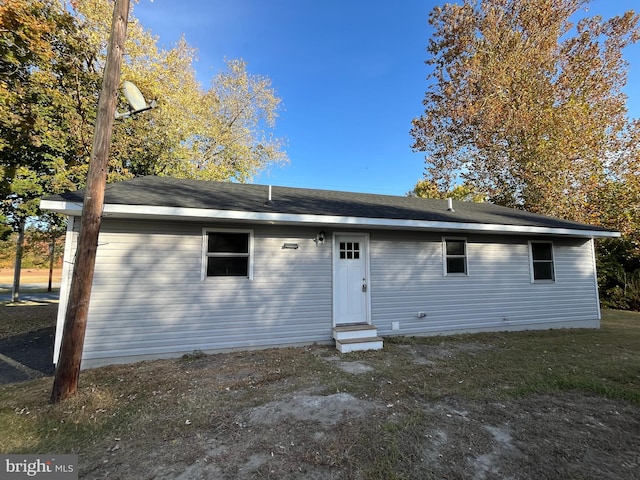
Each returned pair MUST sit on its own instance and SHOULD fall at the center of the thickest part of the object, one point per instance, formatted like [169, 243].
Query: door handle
[364, 286]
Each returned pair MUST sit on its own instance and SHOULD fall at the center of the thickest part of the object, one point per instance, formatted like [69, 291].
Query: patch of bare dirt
[541, 437]
[308, 435]
[304, 436]
[325, 410]
[565, 436]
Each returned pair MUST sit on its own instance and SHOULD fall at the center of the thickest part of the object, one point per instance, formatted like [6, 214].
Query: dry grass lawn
[561, 404]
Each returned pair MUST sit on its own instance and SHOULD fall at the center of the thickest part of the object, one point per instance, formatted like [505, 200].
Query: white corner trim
[68, 260]
[594, 267]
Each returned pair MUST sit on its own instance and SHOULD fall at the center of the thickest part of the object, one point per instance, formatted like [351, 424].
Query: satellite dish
[137, 103]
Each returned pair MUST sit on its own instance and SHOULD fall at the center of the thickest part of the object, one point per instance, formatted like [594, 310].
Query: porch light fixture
[320, 238]
[290, 246]
[137, 103]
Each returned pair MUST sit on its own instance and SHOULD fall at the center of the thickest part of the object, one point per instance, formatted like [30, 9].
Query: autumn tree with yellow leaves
[223, 132]
[527, 107]
[52, 54]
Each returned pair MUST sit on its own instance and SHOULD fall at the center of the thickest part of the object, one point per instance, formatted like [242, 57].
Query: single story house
[185, 265]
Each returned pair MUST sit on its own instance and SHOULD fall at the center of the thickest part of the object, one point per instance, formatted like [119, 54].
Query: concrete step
[359, 344]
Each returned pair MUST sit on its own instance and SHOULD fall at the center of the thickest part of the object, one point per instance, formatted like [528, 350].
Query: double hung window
[455, 256]
[227, 253]
[542, 267]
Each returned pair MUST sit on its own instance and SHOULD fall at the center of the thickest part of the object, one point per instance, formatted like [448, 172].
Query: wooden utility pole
[68, 369]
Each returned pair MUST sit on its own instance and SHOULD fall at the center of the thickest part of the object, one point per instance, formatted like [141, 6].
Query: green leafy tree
[619, 273]
[5, 228]
[528, 108]
[39, 77]
[45, 97]
[43, 90]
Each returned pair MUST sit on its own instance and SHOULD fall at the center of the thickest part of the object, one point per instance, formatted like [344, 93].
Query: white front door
[350, 282]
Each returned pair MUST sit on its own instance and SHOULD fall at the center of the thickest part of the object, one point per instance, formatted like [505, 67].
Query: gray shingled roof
[195, 194]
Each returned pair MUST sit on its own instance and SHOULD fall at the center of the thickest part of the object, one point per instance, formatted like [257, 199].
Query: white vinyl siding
[406, 278]
[148, 299]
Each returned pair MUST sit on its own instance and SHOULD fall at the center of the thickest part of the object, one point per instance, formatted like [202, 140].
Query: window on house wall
[349, 250]
[542, 267]
[227, 253]
[455, 256]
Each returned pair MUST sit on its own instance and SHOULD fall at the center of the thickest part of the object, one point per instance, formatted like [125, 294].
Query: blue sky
[350, 73]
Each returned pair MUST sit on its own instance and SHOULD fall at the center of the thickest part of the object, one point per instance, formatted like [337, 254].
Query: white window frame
[445, 272]
[206, 254]
[553, 263]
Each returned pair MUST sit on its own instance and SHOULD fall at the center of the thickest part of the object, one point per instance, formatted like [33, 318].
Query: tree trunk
[17, 266]
[65, 383]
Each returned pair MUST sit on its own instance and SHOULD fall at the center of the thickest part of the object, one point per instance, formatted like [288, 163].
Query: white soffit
[181, 213]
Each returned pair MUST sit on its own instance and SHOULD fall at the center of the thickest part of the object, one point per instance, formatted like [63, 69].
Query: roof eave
[181, 213]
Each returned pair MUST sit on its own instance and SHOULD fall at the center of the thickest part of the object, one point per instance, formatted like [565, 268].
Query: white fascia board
[65, 208]
[181, 213]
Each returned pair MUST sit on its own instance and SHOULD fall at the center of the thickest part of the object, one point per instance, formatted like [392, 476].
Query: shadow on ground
[26, 356]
